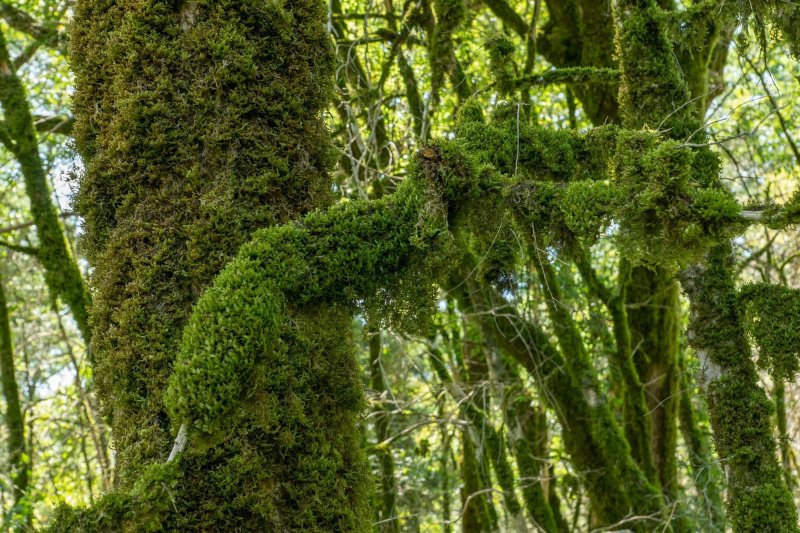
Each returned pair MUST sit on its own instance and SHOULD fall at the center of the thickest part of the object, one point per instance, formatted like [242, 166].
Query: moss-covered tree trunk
[740, 411]
[652, 84]
[200, 122]
[654, 321]
[18, 462]
[386, 515]
[705, 472]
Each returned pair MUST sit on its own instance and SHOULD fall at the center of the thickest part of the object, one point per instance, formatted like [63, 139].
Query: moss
[501, 61]
[338, 256]
[479, 512]
[512, 146]
[706, 472]
[525, 433]
[740, 412]
[780, 19]
[449, 16]
[198, 123]
[139, 509]
[780, 216]
[772, 315]
[570, 75]
[669, 218]
[652, 305]
[586, 208]
[651, 84]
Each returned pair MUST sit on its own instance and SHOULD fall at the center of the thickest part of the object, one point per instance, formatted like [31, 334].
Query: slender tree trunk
[654, 320]
[595, 443]
[477, 510]
[704, 471]
[18, 134]
[386, 511]
[779, 398]
[18, 462]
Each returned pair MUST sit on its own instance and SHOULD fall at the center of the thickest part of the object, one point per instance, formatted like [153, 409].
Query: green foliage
[773, 319]
[780, 216]
[771, 17]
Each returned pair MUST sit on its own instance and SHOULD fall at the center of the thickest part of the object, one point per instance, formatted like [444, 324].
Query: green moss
[198, 123]
[449, 15]
[339, 256]
[586, 208]
[773, 319]
[667, 217]
[771, 18]
[503, 67]
[651, 84]
[740, 411]
[780, 216]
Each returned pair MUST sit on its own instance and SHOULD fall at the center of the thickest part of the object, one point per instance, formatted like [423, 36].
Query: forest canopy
[424, 266]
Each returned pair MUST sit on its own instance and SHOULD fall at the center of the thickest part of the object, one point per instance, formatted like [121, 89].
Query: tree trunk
[18, 461]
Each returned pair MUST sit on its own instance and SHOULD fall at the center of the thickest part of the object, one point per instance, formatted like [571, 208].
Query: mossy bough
[231, 345]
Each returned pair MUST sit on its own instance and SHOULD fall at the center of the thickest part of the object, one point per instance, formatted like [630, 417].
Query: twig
[180, 443]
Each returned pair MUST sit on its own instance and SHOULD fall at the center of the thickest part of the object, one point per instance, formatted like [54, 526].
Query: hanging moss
[773, 319]
[771, 18]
